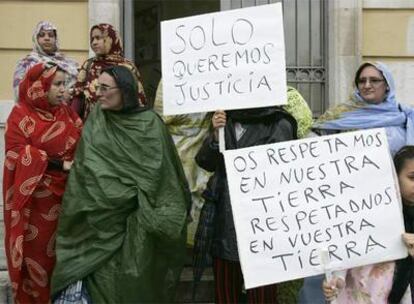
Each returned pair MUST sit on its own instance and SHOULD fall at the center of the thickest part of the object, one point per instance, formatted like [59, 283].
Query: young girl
[346, 288]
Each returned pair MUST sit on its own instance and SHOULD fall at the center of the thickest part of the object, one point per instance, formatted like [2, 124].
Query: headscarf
[35, 85]
[358, 114]
[93, 67]
[38, 55]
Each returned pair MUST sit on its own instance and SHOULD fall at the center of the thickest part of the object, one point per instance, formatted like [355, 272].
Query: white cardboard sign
[292, 199]
[226, 60]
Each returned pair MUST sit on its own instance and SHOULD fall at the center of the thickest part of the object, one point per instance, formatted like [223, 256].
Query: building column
[105, 11]
[345, 47]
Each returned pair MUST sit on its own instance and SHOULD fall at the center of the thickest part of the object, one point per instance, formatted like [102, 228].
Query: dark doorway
[147, 17]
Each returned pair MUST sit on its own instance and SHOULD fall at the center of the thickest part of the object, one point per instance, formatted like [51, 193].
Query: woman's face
[109, 95]
[98, 42]
[56, 93]
[406, 181]
[47, 41]
[372, 85]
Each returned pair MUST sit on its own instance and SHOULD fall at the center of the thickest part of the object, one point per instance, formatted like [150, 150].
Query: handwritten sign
[291, 199]
[226, 60]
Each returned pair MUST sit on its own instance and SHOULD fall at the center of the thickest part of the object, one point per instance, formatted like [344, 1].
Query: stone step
[205, 289]
[204, 292]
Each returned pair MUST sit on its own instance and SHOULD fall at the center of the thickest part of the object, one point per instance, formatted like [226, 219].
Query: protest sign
[292, 199]
[226, 60]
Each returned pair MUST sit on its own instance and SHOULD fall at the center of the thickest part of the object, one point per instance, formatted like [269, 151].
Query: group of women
[114, 230]
[119, 232]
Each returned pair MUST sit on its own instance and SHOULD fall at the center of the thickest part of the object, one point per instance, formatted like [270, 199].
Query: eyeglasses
[104, 89]
[375, 82]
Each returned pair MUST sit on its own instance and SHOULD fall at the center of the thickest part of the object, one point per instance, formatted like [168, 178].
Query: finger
[219, 116]
[220, 121]
[408, 236]
[219, 125]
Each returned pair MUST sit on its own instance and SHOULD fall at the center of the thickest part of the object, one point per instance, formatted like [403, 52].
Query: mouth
[368, 92]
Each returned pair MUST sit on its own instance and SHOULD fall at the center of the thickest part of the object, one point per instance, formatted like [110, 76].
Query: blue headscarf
[397, 119]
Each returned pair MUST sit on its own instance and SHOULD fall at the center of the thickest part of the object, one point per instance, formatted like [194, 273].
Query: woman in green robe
[122, 231]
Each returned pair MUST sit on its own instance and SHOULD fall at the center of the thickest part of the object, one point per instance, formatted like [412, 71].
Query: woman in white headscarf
[45, 49]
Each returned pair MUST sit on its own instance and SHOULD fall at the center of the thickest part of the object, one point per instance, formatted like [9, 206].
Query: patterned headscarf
[112, 40]
[38, 55]
[35, 85]
[93, 67]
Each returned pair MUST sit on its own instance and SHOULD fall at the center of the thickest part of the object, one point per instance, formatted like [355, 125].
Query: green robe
[123, 223]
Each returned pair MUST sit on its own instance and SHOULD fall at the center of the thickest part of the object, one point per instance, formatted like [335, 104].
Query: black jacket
[262, 126]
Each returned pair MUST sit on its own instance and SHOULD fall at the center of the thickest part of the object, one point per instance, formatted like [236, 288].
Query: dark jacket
[262, 126]
[404, 270]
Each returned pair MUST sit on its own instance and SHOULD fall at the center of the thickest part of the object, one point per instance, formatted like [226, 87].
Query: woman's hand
[218, 121]
[67, 164]
[332, 288]
[408, 239]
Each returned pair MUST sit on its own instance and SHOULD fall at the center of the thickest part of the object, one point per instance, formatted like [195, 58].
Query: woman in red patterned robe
[41, 137]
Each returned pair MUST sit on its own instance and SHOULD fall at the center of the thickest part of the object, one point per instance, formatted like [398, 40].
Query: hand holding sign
[218, 121]
[331, 288]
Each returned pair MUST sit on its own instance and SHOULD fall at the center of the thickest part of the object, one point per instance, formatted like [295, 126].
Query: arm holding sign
[208, 157]
[218, 121]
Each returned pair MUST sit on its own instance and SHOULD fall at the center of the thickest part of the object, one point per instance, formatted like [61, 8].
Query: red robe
[36, 132]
